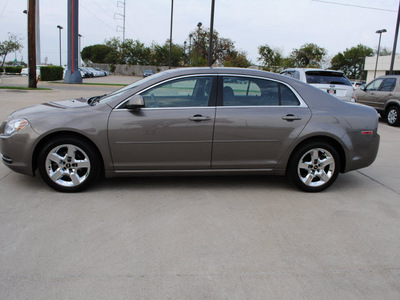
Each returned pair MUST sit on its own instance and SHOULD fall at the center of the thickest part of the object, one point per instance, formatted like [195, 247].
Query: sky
[283, 24]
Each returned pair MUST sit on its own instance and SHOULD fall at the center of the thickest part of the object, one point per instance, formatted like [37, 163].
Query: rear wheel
[68, 164]
[314, 167]
[393, 116]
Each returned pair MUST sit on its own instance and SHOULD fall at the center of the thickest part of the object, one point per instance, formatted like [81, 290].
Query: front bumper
[17, 150]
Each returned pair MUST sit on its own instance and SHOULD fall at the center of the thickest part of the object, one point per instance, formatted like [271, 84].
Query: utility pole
[32, 43]
[395, 41]
[123, 18]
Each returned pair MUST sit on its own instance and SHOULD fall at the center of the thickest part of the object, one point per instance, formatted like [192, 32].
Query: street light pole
[198, 41]
[190, 49]
[59, 29]
[170, 34]
[379, 46]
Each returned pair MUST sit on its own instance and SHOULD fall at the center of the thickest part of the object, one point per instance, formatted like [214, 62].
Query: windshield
[119, 92]
[326, 77]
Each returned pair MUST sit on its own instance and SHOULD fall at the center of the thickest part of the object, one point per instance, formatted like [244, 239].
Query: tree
[135, 52]
[384, 51]
[271, 59]
[308, 56]
[223, 48]
[160, 55]
[352, 61]
[10, 45]
[236, 59]
[96, 53]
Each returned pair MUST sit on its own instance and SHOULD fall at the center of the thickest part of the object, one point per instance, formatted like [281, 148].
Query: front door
[173, 131]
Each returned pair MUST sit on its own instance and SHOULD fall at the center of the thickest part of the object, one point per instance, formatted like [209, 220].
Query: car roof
[314, 69]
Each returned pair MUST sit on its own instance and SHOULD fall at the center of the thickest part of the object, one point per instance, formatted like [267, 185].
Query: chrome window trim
[159, 83]
[302, 102]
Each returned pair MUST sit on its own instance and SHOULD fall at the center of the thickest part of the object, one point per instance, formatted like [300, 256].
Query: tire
[314, 166]
[68, 164]
[393, 116]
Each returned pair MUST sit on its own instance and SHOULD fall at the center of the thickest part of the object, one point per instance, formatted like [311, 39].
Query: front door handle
[290, 118]
[199, 118]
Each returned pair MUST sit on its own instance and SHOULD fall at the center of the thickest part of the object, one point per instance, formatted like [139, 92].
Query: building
[383, 67]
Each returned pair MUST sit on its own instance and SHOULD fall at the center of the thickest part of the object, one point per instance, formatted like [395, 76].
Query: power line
[96, 16]
[358, 6]
[4, 8]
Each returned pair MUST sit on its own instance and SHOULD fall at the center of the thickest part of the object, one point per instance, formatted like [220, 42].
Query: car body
[194, 121]
[103, 72]
[25, 71]
[148, 73]
[358, 84]
[85, 73]
[329, 81]
[383, 94]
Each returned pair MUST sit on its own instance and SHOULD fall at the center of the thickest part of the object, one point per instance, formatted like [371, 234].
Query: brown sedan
[194, 122]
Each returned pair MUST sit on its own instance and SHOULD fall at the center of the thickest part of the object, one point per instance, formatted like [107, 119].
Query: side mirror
[135, 102]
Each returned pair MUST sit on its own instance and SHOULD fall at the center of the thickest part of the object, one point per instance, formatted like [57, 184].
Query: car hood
[49, 107]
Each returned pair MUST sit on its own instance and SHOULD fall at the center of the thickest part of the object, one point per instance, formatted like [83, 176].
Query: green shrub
[112, 68]
[50, 73]
[13, 69]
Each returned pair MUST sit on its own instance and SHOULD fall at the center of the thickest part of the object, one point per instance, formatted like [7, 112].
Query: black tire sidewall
[87, 148]
[298, 154]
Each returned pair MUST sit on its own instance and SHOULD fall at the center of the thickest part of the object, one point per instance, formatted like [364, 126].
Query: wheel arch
[324, 139]
[69, 134]
[391, 103]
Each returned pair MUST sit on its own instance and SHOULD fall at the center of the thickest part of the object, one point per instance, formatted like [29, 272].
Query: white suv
[332, 82]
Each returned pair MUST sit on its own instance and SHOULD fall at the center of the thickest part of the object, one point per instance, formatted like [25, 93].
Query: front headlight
[14, 126]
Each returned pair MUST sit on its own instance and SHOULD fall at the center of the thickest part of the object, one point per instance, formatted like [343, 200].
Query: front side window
[185, 92]
[242, 91]
[374, 85]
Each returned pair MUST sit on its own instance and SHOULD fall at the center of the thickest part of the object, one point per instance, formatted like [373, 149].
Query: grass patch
[23, 88]
[93, 83]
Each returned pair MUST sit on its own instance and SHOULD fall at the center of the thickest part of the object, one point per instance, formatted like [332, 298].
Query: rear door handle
[290, 118]
[199, 118]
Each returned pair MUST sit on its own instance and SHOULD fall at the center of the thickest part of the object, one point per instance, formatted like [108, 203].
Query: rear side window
[243, 91]
[388, 85]
[326, 77]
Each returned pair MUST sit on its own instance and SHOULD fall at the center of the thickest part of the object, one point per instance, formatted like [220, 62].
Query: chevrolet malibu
[194, 121]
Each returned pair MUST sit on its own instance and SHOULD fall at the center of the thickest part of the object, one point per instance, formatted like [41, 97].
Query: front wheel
[68, 164]
[393, 116]
[314, 167]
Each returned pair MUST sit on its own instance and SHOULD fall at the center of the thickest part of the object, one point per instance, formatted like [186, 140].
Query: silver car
[194, 121]
[329, 81]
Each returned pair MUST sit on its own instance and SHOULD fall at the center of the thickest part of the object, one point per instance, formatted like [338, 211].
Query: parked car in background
[329, 81]
[85, 72]
[148, 73]
[383, 94]
[198, 121]
[103, 72]
[25, 71]
[358, 84]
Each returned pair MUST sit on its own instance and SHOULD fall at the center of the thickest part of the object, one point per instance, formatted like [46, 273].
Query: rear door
[256, 121]
[374, 93]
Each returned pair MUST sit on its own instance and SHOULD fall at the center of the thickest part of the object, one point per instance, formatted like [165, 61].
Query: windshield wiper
[93, 100]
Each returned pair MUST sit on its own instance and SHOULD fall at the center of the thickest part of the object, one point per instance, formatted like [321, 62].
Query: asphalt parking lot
[239, 237]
